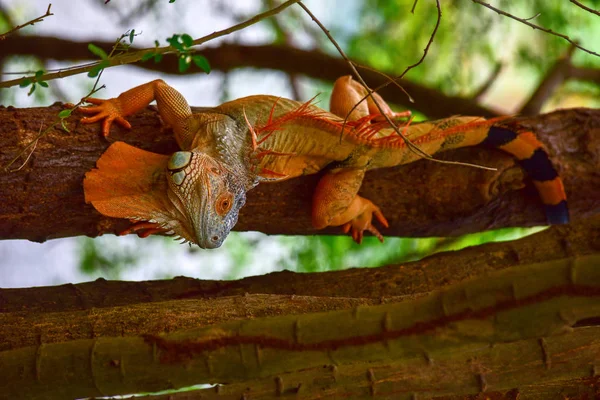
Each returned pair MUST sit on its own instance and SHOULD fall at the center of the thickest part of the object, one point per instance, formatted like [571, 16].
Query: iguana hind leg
[336, 201]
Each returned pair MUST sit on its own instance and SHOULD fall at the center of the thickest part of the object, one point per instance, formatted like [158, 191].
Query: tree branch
[444, 200]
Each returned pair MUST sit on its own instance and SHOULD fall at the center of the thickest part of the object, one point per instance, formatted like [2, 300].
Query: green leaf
[43, 83]
[97, 51]
[148, 56]
[174, 42]
[158, 58]
[32, 89]
[156, 44]
[65, 114]
[95, 71]
[171, 1]
[39, 73]
[184, 64]
[131, 35]
[25, 82]
[187, 40]
[202, 63]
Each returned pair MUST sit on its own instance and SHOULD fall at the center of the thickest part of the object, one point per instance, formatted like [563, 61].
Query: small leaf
[131, 35]
[25, 82]
[39, 73]
[156, 44]
[184, 64]
[43, 83]
[202, 63]
[94, 71]
[65, 114]
[32, 89]
[174, 41]
[97, 51]
[148, 56]
[187, 40]
[171, 1]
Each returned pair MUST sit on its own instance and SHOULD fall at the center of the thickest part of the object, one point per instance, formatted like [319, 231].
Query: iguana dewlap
[197, 192]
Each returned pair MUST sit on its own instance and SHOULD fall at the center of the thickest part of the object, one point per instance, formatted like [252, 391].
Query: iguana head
[207, 194]
[188, 194]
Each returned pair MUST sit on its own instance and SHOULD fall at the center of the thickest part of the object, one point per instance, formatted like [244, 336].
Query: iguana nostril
[215, 238]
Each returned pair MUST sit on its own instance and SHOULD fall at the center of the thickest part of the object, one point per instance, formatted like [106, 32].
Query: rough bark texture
[44, 199]
[227, 57]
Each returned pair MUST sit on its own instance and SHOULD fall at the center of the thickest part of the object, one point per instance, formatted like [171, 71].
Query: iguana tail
[534, 159]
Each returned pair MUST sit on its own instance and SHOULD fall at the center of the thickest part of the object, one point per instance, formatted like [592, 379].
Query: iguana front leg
[336, 200]
[172, 106]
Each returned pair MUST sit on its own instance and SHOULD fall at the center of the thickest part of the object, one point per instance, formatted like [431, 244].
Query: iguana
[196, 193]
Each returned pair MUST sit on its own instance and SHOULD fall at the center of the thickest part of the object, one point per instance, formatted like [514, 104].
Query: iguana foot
[363, 223]
[108, 110]
[143, 229]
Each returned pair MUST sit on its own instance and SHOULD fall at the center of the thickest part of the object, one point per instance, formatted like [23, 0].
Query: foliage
[471, 39]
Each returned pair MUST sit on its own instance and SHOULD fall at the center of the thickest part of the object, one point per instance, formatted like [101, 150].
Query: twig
[409, 144]
[33, 21]
[412, 10]
[129, 58]
[534, 26]
[425, 51]
[578, 4]
[35, 142]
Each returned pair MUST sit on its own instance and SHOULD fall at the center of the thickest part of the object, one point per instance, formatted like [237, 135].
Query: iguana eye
[179, 160]
[224, 204]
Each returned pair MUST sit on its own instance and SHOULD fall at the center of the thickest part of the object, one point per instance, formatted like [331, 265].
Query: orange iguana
[196, 193]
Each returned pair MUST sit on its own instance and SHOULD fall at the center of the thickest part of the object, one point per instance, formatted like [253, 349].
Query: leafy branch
[129, 58]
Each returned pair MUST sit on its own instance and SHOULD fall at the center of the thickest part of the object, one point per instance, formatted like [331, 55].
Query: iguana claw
[109, 110]
[143, 229]
[363, 223]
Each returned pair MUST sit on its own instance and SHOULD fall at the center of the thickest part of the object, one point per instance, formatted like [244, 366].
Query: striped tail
[534, 160]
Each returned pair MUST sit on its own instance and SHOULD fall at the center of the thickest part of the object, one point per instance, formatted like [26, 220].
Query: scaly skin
[196, 193]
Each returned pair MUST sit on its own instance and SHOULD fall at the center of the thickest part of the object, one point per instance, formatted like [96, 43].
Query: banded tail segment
[534, 159]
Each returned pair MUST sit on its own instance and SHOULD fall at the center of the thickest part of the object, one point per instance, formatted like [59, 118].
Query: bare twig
[534, 26]
[410, 145]
[129, 58]
[412, 10]
[33, 21]
[425, 51]
[35, 142]
[578, 4]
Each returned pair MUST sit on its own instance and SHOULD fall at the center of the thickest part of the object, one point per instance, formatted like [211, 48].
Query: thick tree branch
[444, 200]
[504, 330]
[384, 284]
[227, 57]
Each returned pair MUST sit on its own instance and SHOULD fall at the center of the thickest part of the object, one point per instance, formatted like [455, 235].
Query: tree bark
[44, 199]
[227, 57]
